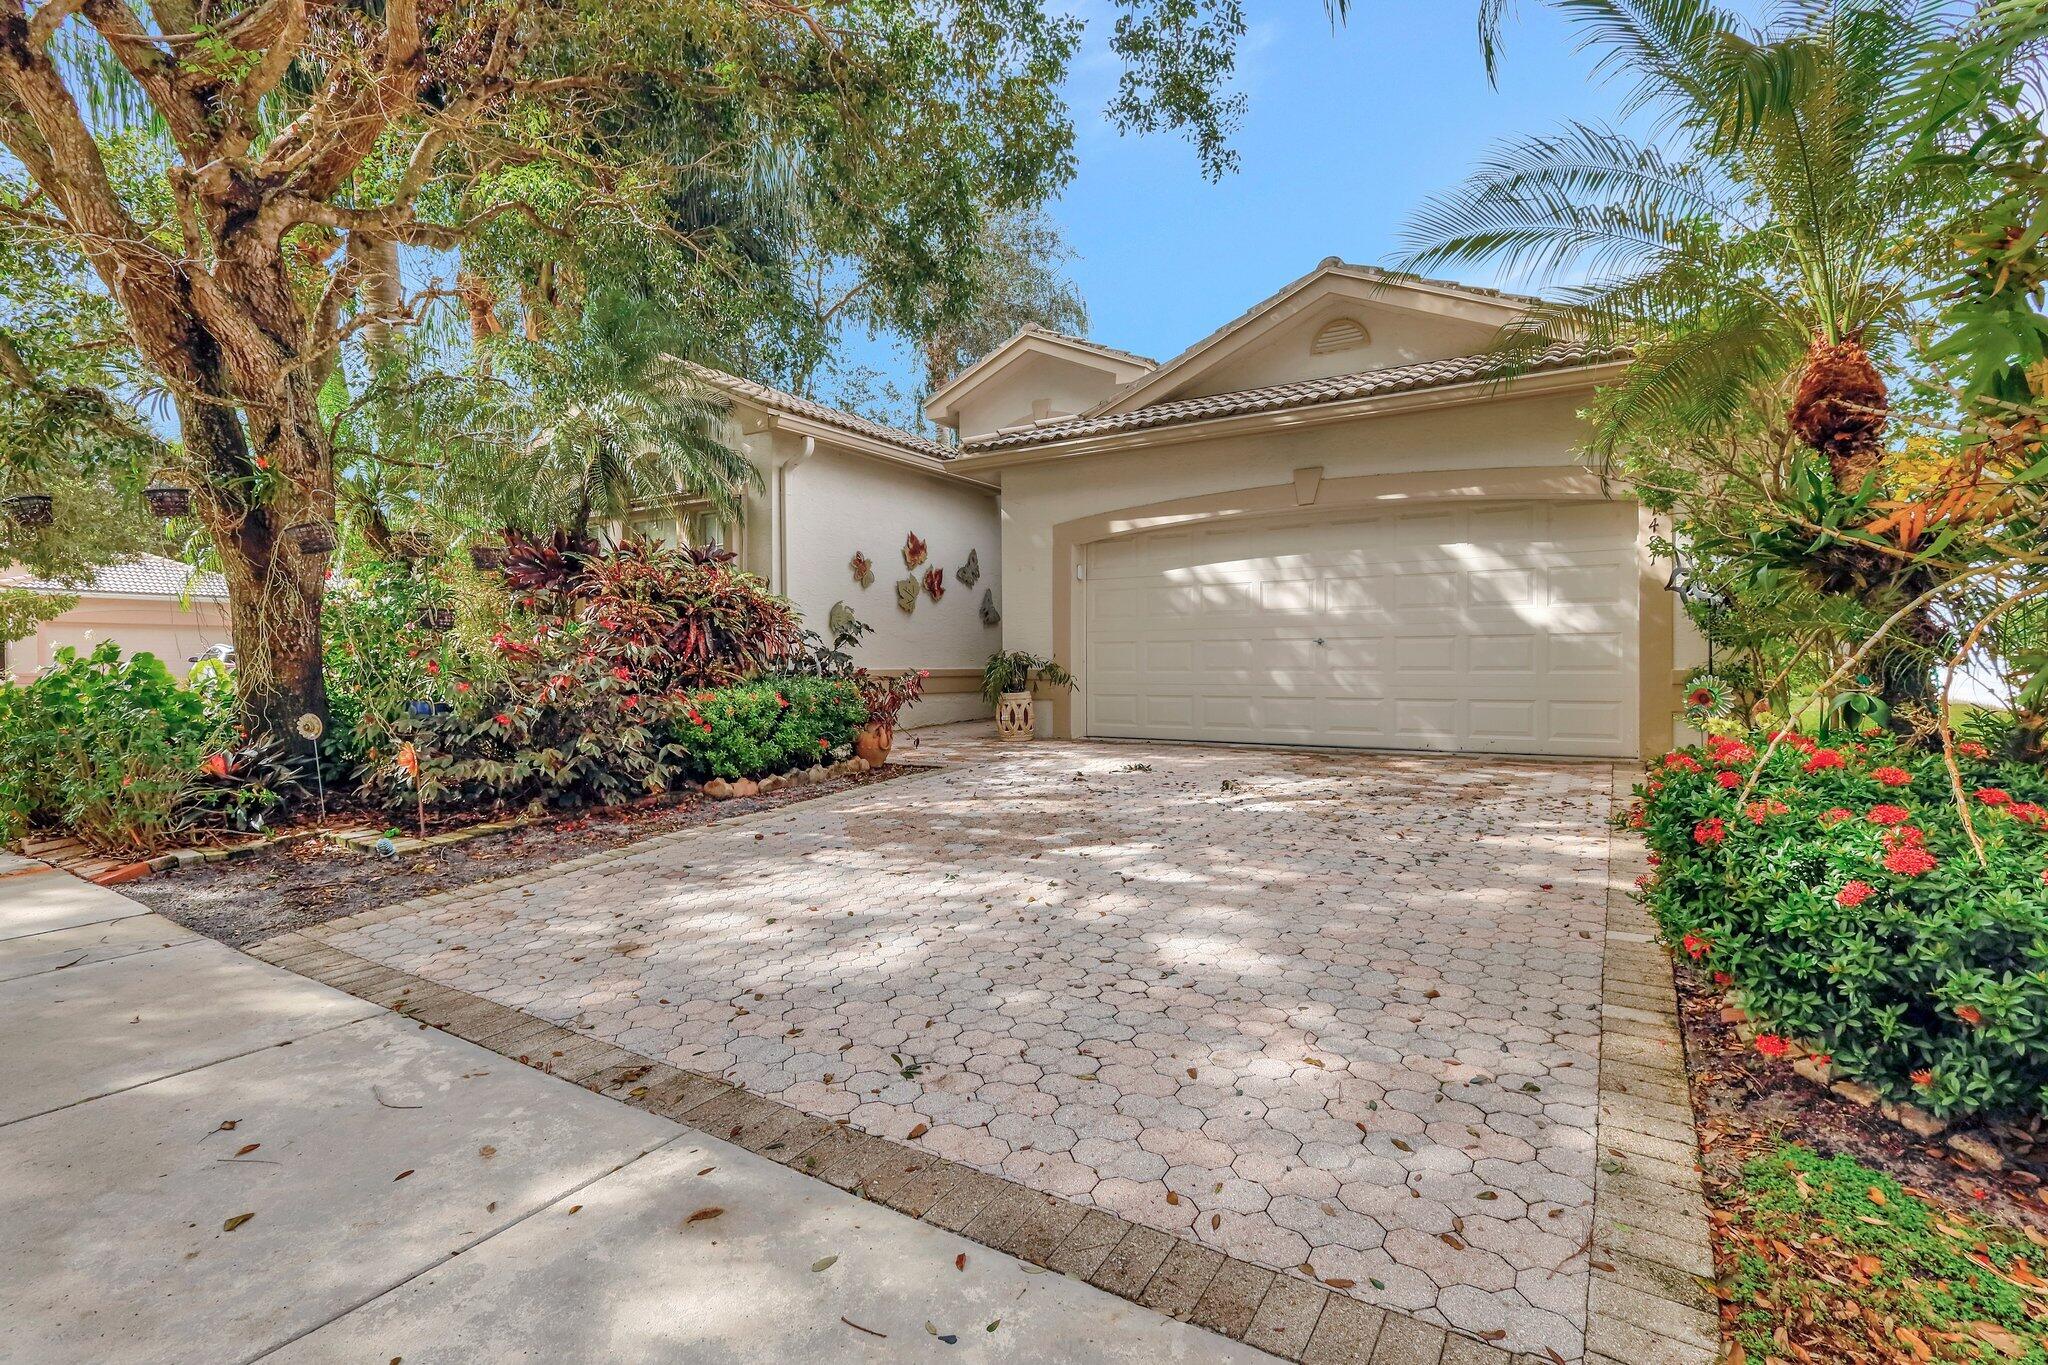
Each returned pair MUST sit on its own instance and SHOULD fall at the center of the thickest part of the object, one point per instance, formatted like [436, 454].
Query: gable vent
[1339, 334]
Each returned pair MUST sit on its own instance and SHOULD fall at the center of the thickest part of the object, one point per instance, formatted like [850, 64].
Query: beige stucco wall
[838, 502]
[1007, 398]
[1515, 447]
[1396, 337]
[172, 631]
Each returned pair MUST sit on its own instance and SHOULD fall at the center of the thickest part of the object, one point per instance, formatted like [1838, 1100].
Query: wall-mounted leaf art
[914, 551]
[969, 573]
[906, 594]
[989, 615]
[839, 619]
[863, 569]
[935, 583]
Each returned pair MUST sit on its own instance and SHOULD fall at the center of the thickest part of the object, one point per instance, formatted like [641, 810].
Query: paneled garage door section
[1497, 628]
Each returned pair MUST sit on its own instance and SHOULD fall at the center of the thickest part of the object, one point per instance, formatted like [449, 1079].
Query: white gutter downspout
[810, 448]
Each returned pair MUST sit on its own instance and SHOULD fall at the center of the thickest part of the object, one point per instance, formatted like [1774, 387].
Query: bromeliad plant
[1863, 911]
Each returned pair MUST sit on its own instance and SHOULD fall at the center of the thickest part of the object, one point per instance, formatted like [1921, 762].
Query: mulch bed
[290, 886]
[1825, 1309]
[1746, 1101]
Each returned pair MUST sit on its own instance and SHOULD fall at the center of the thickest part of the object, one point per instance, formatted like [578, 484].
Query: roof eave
[1567, 380]
[942, 404]
[1278, 306]
[859, 444]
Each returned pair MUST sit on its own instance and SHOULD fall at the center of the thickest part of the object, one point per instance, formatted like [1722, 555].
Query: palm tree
[1752, 256]
[1770, 238]
[595, 413]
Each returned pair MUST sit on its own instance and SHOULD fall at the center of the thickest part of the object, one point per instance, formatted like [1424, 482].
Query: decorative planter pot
[30, 509]
[872, 743]
[167, 500]
[1014, 716]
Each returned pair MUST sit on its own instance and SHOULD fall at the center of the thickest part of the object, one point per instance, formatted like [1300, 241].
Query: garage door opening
[1500, 628]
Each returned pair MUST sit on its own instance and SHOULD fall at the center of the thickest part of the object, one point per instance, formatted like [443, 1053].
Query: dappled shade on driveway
[1334, 1014]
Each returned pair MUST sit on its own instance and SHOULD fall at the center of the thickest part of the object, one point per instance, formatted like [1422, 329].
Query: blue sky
[1347, 133]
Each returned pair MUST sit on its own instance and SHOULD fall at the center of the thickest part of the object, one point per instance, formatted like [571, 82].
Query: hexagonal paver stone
[1300, 1009]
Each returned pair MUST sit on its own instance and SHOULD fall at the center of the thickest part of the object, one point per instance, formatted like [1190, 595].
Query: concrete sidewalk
[206, 1157]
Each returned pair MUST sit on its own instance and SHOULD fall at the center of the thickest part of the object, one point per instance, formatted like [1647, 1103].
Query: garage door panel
[1504, 720]
[1589, 722]
[1506, 628]
[1498, 654]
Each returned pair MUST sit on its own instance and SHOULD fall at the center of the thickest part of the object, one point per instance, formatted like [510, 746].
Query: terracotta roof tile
[783, 401]
[1301, 393]
[139, 576]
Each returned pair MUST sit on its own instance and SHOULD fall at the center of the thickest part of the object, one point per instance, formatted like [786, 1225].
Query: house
[146, 603]
[835, 485]
[1328, 522]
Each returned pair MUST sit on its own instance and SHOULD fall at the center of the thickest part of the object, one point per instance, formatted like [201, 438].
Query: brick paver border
[1646, 1304]
[1650, 1232]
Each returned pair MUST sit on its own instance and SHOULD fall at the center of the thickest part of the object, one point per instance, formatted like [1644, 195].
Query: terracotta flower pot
[1015, 718]
[872, 742]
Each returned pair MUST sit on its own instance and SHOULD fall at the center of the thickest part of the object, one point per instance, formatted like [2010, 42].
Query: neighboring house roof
[1164, 375]
[1301, 393]
[137, 576]
[781, 400]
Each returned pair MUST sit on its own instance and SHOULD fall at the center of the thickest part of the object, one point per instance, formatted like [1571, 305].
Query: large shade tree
[234, 183]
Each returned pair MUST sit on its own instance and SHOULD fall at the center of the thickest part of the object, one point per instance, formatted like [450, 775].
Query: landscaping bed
[291, 885]
[1832, 1274]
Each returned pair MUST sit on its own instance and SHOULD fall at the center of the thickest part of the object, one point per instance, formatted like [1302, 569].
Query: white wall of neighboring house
[173, 631]
[836, 503]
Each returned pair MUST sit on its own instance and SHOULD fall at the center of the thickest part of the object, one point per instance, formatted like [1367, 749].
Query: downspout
[810, 448]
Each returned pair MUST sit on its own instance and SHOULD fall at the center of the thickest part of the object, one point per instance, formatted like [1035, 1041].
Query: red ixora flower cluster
[1888, 815]
[1909, 860]
[1696, 947]
[1760, 811]
[1729, 780]
[1892, 777]
[1825, 758]
[1771, 1045]
[1729, 753]
[1677, 762]
[1854, 894]
[1835, 815]
[1993, 796]
[1709, 831]
[1970, 748]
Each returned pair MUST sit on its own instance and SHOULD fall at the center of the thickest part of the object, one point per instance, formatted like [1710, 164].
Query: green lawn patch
[1833, 1261]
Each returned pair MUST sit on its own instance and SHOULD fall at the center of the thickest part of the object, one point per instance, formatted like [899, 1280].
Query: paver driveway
[1332, 1014]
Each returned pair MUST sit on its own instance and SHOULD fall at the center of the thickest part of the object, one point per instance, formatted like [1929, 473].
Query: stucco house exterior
[146, 603]
[1328, 522]
[834, 485]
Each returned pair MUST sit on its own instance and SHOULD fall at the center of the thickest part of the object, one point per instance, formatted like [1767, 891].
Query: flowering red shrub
[1850, 911]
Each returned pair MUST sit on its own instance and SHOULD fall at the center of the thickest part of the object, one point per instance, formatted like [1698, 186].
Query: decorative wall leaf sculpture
[863, 569]
[914, 551]
[989, 615]
[906, 594]
[969, 573]
[935, 582]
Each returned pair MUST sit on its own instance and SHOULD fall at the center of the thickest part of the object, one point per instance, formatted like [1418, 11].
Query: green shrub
[771, 725]
[117, 752]
[1845, 902]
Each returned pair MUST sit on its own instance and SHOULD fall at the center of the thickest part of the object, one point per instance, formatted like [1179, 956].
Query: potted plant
[1006, 681]
[885, 697]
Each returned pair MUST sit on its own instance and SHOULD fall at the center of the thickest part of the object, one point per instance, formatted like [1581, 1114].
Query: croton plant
[1837, 886]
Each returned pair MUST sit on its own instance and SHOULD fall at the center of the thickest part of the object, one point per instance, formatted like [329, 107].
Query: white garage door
[1505, 628]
